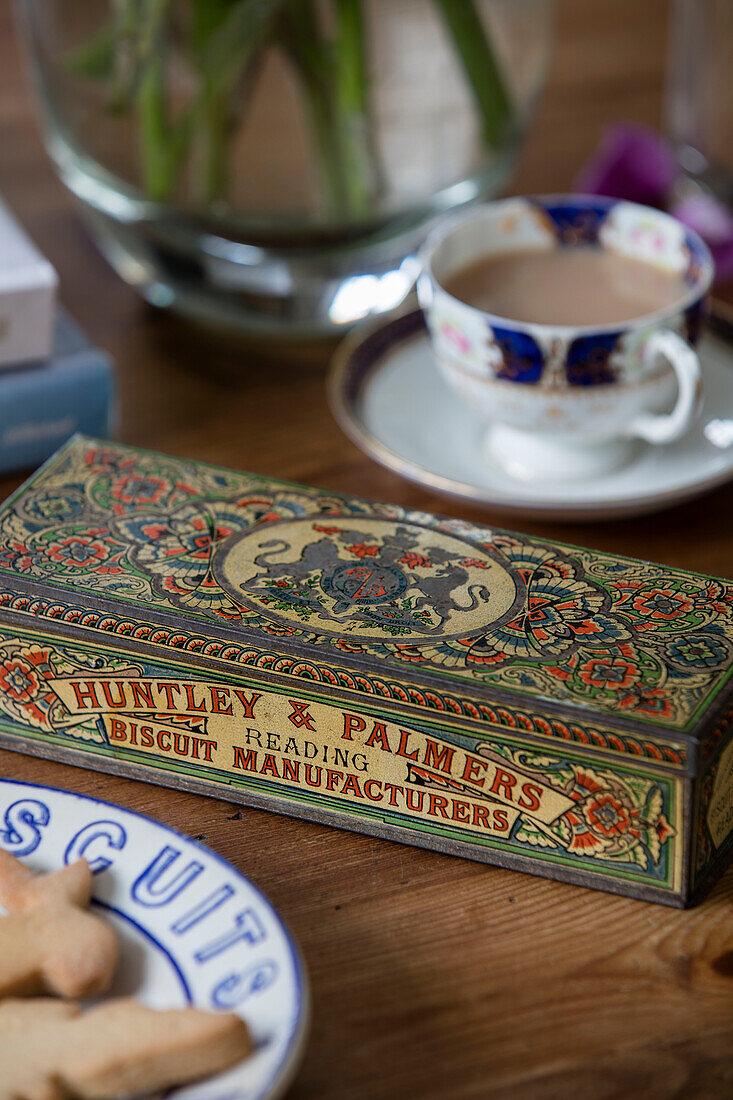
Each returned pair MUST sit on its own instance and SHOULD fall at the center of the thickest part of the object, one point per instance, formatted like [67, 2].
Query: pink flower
[456, 337]
[632, 162]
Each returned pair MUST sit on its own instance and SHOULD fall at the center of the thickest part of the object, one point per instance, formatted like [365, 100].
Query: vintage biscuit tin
[530, 704]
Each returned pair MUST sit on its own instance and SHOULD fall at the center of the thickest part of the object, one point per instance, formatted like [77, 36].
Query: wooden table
[431, 976]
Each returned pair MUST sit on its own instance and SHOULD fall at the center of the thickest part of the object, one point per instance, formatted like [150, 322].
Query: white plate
[386, 393]
[149, 879]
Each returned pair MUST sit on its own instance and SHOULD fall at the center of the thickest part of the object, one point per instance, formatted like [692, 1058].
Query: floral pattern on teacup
[630, 358]
[463, 337]
[450, 334]
[646, 235]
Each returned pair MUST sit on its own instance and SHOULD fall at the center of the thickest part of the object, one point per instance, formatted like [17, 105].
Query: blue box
[42, 404]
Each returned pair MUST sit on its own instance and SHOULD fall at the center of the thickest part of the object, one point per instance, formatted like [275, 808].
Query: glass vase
[271, 165]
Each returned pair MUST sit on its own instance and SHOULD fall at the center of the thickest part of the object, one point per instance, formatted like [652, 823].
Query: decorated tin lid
[256, 571]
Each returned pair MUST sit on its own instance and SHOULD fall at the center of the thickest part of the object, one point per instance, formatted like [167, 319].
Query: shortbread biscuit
[51, 1050]
[49, 942]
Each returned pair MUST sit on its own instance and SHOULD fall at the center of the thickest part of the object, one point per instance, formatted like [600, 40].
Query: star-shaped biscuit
[49, 942]
[51, 1050]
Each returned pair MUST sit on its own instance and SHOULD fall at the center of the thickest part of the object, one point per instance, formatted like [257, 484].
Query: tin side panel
[290, 746]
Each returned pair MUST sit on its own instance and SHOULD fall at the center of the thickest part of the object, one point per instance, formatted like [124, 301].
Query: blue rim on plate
[281, 1075]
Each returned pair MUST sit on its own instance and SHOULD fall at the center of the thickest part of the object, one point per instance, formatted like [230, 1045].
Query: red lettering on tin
[120, 701]
[142, 693]
[300, 716]
[117, 730]
[84, 693]
[269, 766]
[503, 783]
[403, 745]
[436, 757]
[352, 724]
[531, 795]
[247, 761]
[191, 703]
[378, 736]
[219, 696]
[471, 770]
[168, 690]
[352, 786]
[247, 704]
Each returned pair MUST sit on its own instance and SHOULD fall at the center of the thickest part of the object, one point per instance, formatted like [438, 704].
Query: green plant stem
[351, 70]
[101, 58]
[213, 126]
[154, 160]
[227, 39]
[480, 66]
[95, 59]
[157, 163]
[352, 103]
[320, 109]
[301, 38]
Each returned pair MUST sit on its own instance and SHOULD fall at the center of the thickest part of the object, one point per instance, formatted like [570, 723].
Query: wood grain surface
[432, 977]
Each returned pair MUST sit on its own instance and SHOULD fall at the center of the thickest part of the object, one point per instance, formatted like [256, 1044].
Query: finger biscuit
[52, 1050]
[49, 941]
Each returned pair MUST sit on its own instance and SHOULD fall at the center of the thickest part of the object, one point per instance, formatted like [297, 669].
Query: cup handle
[666, 427]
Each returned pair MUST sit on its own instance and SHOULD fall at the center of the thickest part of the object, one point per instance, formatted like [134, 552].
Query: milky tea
[579, 285]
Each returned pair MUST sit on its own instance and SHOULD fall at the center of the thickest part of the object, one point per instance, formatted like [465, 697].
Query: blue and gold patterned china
[567, 401]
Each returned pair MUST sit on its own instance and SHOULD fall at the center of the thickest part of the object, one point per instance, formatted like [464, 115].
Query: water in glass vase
[271, 165]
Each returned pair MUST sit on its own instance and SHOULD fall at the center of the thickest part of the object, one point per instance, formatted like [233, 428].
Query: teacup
[569, 400]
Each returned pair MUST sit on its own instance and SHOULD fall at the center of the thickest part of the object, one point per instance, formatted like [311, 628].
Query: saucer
[388, 396]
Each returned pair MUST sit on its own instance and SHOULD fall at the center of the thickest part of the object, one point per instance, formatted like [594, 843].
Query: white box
[27, 296]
